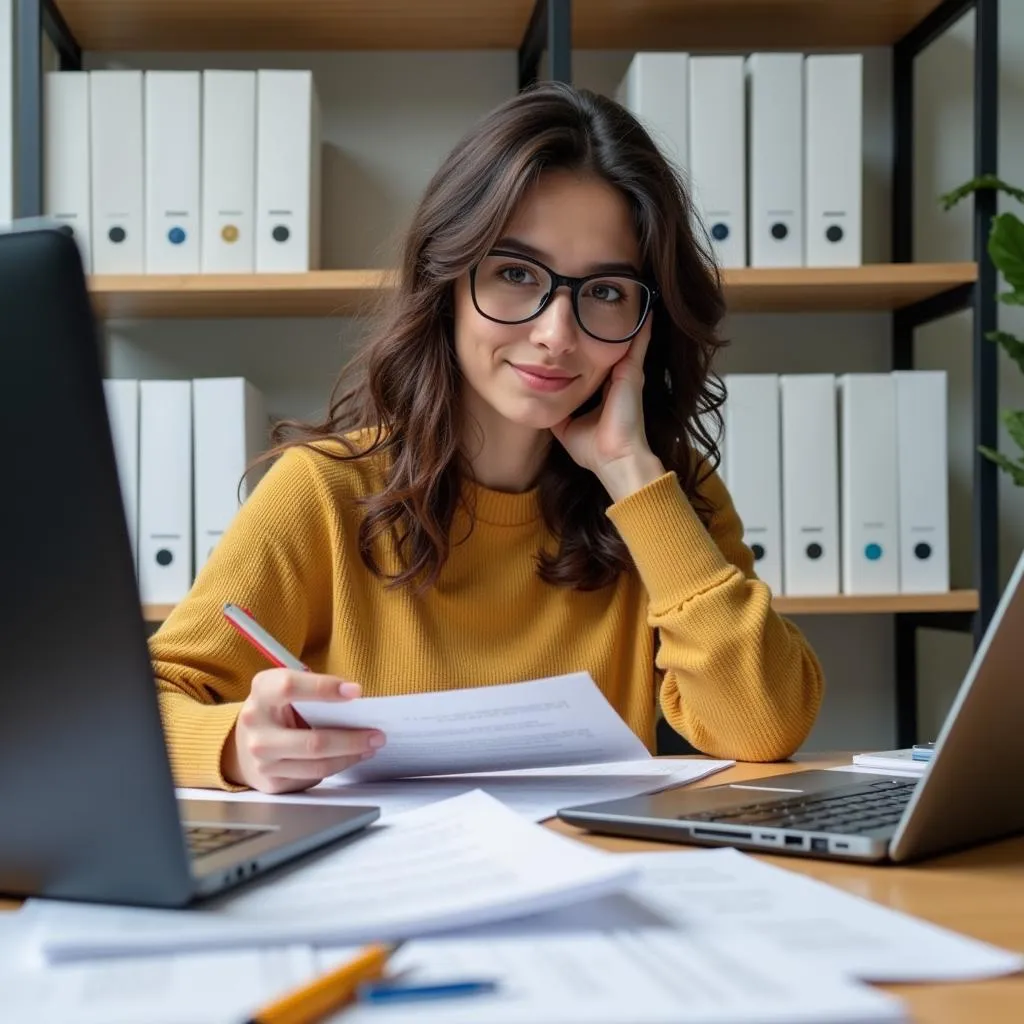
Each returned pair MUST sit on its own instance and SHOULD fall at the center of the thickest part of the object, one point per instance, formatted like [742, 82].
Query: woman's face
[535, 374]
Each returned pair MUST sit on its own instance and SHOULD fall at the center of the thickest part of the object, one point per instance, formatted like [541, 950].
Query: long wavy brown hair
[405, 383]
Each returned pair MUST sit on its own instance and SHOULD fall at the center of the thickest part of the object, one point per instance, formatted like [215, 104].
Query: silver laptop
[89, 807]
[971, 792]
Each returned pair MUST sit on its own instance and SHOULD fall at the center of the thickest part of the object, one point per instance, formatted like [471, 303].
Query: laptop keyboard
[204, 839]
[852, 812]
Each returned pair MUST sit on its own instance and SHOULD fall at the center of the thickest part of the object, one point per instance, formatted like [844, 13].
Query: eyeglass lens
[512, 290]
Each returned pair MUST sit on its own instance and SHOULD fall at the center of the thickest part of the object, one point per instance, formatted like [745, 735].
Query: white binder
[833, 94]
[6, 111]
[116, 150]
[810, 484]
[718, 134]
[172, 172]
[654, 89]
[122, 397]
[287, 172]
[752, 460]
[870, 511]
[923, 466]
[66, 192]
[165, 490]
[230, 429]
[229, 172]
[775, 92]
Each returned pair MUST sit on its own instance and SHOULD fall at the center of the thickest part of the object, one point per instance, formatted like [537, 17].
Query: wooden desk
[979, 893]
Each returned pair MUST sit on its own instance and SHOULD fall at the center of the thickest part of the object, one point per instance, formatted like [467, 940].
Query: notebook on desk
[88, 804]
[971, 792]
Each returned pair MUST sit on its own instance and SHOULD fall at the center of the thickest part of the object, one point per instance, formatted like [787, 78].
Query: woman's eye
[605, 292]
[516, 275]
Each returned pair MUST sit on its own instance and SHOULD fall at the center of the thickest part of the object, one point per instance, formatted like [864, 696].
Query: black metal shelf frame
[979, 298]
[550, 30]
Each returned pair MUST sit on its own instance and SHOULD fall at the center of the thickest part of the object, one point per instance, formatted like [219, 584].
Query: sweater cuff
[674, 554]
[196, 734]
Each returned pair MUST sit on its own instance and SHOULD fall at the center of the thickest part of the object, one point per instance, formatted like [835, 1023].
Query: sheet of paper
[212, 987]
[826, 928]
[542, 722]
[657, 978]
[535, 793]
[463, 861]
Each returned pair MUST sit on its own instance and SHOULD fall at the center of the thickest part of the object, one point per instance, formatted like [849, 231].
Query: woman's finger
[314, 771]
[313, 744]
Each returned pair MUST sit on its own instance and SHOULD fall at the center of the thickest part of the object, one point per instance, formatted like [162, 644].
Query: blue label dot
[873, 552]
[176, 236]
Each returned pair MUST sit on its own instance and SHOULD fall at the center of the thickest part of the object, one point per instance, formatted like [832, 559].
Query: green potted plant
[1006, 248]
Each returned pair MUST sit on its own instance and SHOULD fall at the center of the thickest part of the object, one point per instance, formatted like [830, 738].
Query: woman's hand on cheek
[610, 440]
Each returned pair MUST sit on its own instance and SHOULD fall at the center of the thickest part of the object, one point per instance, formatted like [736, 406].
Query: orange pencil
[315, 1000]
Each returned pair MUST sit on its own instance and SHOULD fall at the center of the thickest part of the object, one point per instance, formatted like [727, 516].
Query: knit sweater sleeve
[739, 680]
[274, 561]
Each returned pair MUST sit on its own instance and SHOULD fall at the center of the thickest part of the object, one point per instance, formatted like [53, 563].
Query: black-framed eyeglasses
[510, 288]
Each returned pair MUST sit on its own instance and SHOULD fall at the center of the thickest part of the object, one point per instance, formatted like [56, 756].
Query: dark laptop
[86, 792]
[971, 792]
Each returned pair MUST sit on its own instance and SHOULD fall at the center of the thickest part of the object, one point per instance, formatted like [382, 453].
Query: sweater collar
[501, 508]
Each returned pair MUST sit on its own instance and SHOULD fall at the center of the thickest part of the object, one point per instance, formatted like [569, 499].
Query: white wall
[388, 120]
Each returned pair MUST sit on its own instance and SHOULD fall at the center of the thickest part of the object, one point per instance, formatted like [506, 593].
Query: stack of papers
[561, 720]
[460, 862]
[661, 978]
[571, 935]
[537, 746]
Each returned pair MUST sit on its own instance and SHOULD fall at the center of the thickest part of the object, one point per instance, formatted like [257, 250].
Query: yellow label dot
[229, 233]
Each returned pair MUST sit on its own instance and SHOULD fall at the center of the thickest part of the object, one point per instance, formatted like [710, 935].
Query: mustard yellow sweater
[732, 676]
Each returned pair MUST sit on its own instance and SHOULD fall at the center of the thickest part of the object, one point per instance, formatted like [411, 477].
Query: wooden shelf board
[872, 287]
[317, 293]
[743, 24]
[346, 292]
[495, 24]
[878, 604]
[278, 25]
[843, 604]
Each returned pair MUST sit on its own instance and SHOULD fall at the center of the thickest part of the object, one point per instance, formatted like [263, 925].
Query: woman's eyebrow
[516, 245]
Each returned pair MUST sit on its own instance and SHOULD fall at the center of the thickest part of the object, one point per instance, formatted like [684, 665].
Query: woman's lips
[541, 378]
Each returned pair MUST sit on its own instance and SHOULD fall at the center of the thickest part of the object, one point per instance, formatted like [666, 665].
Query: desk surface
[979, 893]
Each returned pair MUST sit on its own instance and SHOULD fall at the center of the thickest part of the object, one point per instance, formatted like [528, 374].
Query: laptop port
[819, 845]
[794, 840]
[718, 833]
[842, 846]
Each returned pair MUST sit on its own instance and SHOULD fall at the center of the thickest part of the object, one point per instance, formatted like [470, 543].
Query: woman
[511, 489]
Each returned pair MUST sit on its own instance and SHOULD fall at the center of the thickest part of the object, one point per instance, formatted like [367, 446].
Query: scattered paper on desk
[211, 987]
[542, 722]
[451, 864]
[675, 978]
[825, 927]
[535, 793]
[657, 978]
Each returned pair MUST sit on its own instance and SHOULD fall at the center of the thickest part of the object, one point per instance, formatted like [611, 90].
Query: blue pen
[385, 992]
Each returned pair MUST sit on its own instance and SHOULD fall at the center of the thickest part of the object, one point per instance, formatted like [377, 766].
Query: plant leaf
[1011, 345]
[1013, 420]
[986, 181]
[1006, 247]
[1011, 298]
[1016, 471]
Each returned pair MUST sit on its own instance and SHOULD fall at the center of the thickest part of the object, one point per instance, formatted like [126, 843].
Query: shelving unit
[844, 604]
[914, 293]
[880, 287]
